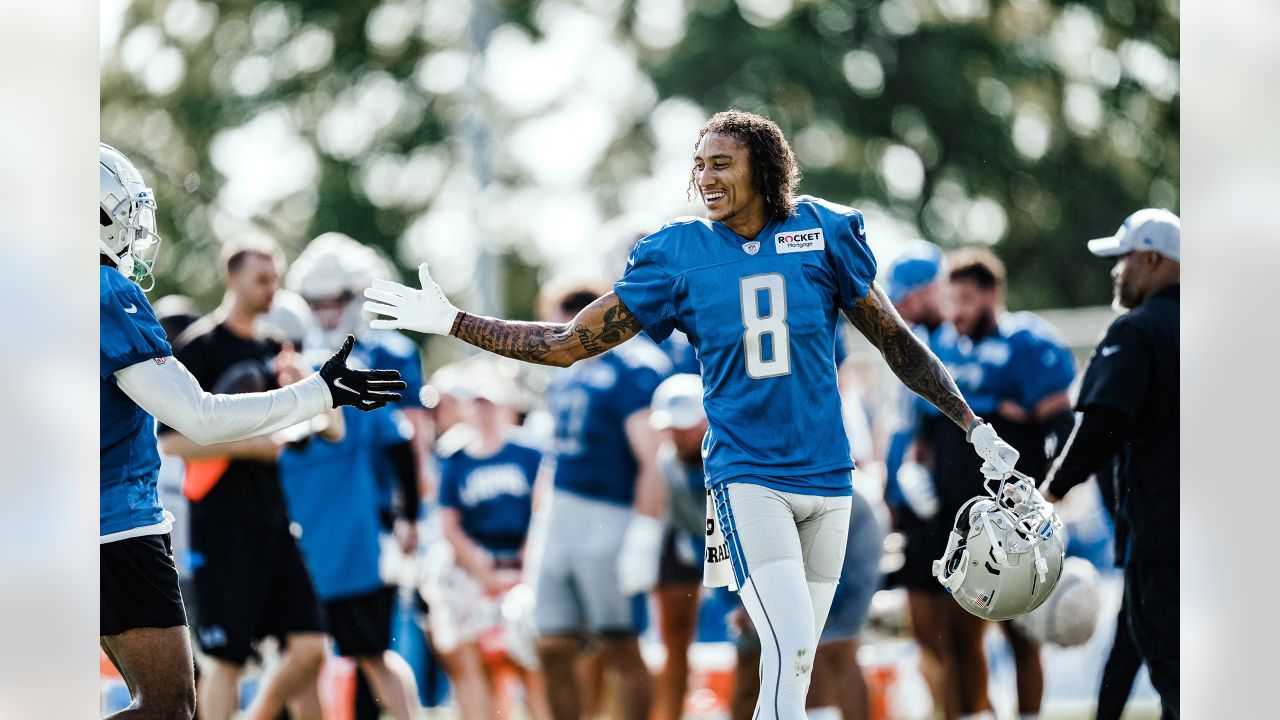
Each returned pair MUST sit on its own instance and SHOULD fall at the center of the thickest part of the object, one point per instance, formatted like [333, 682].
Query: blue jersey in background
[492, 494]
[1024, 361]
[388, 349]
[762, 316]
[129, 461]
[590, 402]
[332, 493]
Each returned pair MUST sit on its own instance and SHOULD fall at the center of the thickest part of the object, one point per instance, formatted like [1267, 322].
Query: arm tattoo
[600, 326]
[520, 340]
[914, 364]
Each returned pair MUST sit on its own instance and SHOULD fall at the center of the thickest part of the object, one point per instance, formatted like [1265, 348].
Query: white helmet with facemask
[127, 217]
[1005, 552]
[333, 266]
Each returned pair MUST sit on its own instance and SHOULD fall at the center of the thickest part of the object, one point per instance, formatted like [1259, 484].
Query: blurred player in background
[143, 622]
[1129, 407]
[250, 579]
[604, 528]
[333, 488]
[486, 501]
[916, 283]
[757, 287]
[1015, 369]
[677, 413]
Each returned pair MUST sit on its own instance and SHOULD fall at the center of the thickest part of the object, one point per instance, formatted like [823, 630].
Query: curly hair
[774, 173]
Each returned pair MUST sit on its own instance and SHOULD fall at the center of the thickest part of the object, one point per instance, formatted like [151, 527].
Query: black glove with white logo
[363, 389]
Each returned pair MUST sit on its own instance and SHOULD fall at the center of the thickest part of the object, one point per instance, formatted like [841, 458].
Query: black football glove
[363, 389]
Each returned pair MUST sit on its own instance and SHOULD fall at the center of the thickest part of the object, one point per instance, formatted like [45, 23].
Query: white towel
[716, 570]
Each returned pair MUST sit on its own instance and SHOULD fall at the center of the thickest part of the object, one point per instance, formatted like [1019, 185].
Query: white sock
[824, 713]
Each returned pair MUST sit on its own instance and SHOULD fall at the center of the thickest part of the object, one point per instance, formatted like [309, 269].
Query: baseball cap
[1151, 229]
[913, 269]
[677, 403]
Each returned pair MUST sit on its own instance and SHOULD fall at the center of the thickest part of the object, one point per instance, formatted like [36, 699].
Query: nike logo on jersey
[131, 309]
[1109, 350]
[799, 241]
[337, 382]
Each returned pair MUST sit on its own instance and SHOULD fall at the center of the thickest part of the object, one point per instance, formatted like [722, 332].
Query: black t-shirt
[1135, 370]
[248, 494]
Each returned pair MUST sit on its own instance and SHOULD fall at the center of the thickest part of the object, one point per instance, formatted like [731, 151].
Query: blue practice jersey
[762, 318]
[1024, 361]
[129, 460]
[331, 491]
[590, 402]
[493, 494]
[389, 350]
[684, 360]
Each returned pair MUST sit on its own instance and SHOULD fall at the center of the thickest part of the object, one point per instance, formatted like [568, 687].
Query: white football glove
[917, 488]
[640, 555]
[426, 310]
[998, 456]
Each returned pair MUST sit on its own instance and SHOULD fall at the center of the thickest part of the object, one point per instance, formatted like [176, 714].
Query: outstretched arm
[914, 364]
[603, 324]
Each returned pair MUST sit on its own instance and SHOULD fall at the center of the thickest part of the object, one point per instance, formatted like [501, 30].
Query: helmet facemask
[127, 219]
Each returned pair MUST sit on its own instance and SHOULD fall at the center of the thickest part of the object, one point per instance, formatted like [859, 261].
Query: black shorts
[681, 560]
[248, 585]
[139, 585]
[361, 625]
[924, 542]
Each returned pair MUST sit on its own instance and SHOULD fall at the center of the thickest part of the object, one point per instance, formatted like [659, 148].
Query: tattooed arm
[603, 324]
[914, 364]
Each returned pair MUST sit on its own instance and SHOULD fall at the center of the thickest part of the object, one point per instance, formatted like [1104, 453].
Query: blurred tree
[420, 126]
[1021, 123]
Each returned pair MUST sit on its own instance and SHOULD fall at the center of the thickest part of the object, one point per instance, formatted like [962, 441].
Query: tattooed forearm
[914, 364]
[600, 326]
[531, 342]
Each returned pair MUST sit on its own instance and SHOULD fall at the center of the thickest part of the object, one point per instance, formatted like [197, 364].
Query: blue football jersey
[331, 491]
[761, 315]
[129, 461]
[389, 350]
[1024, 361]
[493, 495]
[590, 402]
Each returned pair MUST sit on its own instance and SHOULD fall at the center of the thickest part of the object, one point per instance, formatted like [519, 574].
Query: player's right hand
[363, 389]
[998, 456]
[426, 310]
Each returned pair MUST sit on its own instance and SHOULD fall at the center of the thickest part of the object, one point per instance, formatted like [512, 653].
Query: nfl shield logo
[751, 247]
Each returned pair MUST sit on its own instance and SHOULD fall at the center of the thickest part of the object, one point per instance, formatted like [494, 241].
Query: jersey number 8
[758, 292]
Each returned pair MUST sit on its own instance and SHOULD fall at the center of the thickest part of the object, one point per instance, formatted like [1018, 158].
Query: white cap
[677, 403]
[1151, 229]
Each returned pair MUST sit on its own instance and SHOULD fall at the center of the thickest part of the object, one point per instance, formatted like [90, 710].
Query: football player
[756, 285]
[143, 624]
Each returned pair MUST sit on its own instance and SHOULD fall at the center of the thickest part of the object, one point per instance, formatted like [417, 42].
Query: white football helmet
[334, 265]
[127, 216]
[1069, 617]
[1005, 552]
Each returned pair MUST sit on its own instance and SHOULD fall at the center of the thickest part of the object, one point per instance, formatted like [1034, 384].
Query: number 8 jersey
[761, 315]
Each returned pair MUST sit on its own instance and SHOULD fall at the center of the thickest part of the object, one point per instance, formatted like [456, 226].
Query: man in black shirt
[1129, 407]
[250, 580]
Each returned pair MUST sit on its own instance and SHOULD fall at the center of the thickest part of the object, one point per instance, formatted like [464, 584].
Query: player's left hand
[426, 310]
[363, 389]
[640, 555]
[998, 456]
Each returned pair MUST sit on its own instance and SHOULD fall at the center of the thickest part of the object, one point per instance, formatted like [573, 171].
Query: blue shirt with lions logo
[762, 317]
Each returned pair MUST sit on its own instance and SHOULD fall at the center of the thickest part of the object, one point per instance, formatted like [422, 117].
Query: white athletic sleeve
[172, 394]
